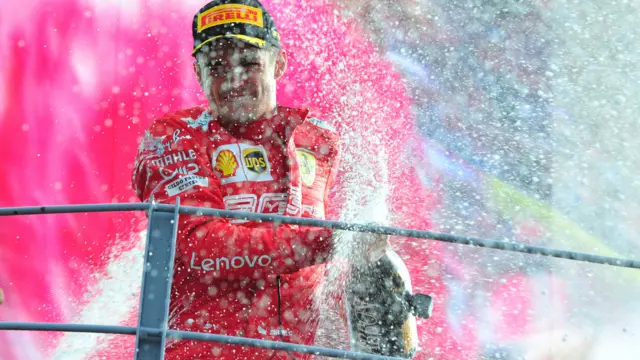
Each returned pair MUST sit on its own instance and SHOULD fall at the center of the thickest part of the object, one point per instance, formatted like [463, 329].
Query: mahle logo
[226, 163]
[254, 160]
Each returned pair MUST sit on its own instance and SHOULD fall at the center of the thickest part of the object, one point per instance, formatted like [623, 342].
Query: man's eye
[251, 64]
[215, 69]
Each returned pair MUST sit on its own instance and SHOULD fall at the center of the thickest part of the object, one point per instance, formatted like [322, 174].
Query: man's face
[239, 79]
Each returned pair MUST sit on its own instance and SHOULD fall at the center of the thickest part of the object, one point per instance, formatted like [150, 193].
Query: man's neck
[235, 122]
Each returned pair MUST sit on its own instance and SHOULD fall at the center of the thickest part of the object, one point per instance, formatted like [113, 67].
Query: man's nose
[235, 78]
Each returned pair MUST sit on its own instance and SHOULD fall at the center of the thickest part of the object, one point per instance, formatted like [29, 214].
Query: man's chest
[257, 176]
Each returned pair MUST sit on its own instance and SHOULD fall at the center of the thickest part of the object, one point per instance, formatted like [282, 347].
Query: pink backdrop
[80, 81]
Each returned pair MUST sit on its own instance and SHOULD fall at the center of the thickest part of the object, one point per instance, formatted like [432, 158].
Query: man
[245, 152]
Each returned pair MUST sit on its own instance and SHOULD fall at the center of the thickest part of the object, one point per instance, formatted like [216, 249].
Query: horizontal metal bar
[80, 328]
[275, 345]
[81, 208]
[419, 234]
[188, 335]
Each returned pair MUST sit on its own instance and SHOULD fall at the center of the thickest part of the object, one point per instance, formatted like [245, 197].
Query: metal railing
[151, 331]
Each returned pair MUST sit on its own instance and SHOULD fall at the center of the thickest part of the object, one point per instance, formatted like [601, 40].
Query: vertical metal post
[156, 284]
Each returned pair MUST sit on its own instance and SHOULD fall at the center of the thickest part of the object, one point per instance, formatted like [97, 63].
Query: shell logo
[226, 163]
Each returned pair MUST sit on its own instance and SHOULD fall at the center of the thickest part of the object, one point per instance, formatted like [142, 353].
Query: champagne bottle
[381, 309]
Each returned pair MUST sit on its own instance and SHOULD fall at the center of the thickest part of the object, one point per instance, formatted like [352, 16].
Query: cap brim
[244, 38]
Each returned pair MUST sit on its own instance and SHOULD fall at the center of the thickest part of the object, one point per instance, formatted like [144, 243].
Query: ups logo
[254, 160]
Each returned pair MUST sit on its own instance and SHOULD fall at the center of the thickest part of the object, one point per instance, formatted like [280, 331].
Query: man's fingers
[376, 239]
[1, 297]
[373, 246]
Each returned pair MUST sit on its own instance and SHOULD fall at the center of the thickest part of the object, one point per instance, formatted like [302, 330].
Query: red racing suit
[236, 277]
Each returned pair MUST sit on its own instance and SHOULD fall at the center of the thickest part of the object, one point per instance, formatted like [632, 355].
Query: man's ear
[196, 69]
[281, 63]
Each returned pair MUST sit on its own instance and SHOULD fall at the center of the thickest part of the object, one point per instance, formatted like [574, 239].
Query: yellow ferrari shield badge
[308, 166]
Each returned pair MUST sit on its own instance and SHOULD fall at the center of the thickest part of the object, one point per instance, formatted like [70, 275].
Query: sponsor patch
[252, 163]
[321, 124]
[201, 122]
[308, 166]
[225, 263]
[226, 163]
[254, 160]
[188, 169]
[314, 212]
[230, 13]
[269, 203]
[294, 206]
[273, 203]
[160, 145]
[174, 158]
[242, 202]
[185, 183]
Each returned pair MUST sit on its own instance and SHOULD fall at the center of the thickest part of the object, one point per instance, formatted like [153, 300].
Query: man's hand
[1, 297]
[372, 245]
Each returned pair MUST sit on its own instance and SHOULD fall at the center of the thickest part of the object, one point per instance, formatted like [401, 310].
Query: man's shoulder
[195, 118]
[309, 118]
[173, 128]
[321, 124]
